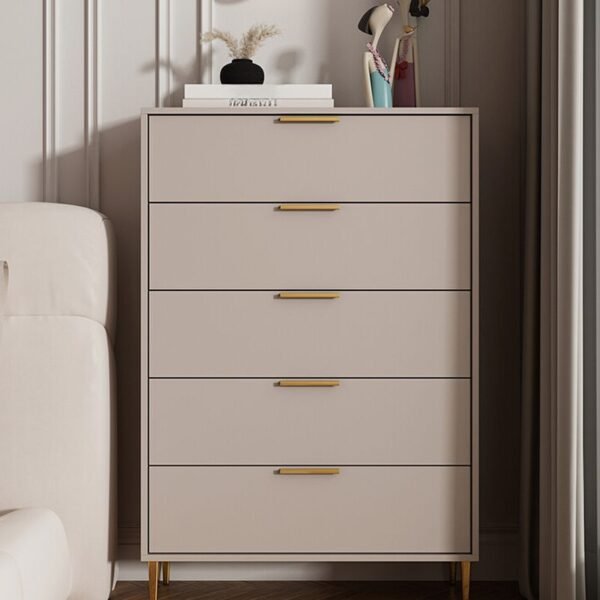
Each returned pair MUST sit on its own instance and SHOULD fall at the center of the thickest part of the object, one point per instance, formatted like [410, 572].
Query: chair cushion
[57, 411]
[34, 556]
[60, 261]
[10, 578]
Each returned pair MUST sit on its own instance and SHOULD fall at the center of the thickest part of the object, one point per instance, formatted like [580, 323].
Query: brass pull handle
[308, 295]
[308, 119]
[309, 384]
[296, 471]
[306, 207]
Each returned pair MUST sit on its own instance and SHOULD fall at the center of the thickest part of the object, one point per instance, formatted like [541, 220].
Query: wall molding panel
[50, 178]
[163, 53]
[205, 10]
[71, 73]
[92, 101]
[452, 53]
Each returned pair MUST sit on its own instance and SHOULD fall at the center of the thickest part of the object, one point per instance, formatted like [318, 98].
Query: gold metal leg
[452, 573]
[153, 568]
[166, 573]
[465, 569]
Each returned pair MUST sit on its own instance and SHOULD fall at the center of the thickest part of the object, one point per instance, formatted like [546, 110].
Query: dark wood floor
[274, 590]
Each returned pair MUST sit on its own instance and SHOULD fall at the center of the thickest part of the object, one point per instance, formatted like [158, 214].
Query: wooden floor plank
[308, 590]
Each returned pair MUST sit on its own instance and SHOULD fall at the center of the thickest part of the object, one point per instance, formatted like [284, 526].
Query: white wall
[21, 101]
[321, 43]
[75, 74]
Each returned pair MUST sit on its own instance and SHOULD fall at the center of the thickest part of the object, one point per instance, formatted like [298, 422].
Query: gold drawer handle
[308, 295]
[308, 119]
[306, 383]
[305, 207]
[295, 471]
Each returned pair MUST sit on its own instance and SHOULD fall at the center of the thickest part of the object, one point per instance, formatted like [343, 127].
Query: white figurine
[377, 76]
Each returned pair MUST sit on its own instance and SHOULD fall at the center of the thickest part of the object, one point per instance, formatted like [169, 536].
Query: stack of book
[259, 96]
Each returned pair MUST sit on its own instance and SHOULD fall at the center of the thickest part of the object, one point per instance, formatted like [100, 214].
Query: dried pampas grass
[254, 38]
[226, 38]
[248, 44]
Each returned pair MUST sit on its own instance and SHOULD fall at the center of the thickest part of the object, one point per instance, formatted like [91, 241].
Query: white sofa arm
[10, 578]
[34, 556]
[57, 382]
[61, 260]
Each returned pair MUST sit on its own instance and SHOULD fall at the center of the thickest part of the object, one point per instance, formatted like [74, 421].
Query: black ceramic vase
[242, 70]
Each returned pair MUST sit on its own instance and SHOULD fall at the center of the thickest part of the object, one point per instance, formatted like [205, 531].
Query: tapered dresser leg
[166, 573]
[153, 568]
[452, 573]
[465, 571]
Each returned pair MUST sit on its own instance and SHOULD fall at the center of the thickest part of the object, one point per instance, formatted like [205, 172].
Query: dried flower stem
[225, 37]
[254, 38]
[248, 44]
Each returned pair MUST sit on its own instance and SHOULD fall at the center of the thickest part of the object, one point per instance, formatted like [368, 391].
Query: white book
[286, 90]
[257, 103]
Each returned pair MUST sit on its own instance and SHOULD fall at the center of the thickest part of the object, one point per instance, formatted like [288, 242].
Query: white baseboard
[498, 562]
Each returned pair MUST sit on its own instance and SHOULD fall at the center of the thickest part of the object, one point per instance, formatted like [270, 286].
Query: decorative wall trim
[163, 52]
[50, 178]
[91, 108]
[452, 53]
[206, 25]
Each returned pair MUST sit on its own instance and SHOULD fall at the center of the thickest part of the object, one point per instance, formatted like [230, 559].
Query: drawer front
[254, 422]
[361, 510]
[237, 158]
[358, 246]
[359, 334]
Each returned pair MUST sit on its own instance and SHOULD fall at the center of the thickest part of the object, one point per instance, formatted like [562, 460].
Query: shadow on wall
[119, 187]
[179, 77]
[120, 202]
[287, 63]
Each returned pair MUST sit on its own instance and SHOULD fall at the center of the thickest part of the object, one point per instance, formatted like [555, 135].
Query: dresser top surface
[423, 111]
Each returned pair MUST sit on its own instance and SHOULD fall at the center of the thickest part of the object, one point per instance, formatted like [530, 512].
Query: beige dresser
[309, 336]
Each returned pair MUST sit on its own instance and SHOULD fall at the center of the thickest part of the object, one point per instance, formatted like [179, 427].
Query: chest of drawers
[309, 336]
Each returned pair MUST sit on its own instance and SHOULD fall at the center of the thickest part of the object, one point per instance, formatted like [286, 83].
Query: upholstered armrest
[57, 435]
[61, 262]
[34, 556]
[10, 579]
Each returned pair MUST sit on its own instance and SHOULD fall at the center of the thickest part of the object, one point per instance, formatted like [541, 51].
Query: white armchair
[57, 409]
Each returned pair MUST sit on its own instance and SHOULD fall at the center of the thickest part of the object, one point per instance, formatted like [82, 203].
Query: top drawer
[256, 158]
